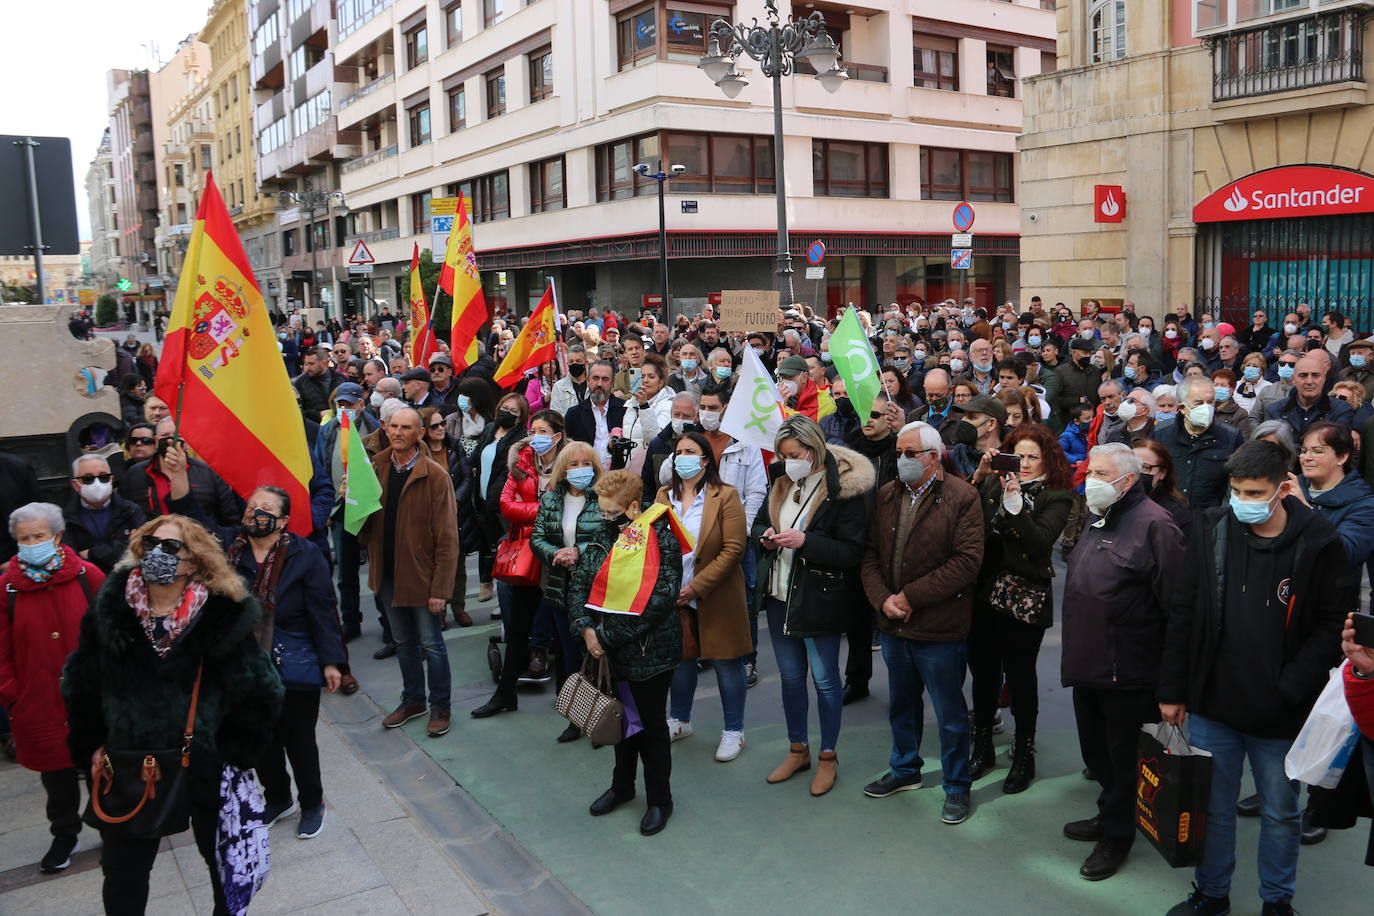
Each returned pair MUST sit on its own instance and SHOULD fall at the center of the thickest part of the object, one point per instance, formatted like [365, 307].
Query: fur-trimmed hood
[856, 474]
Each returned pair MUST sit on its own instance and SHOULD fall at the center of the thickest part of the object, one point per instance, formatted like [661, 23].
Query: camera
[620, 449]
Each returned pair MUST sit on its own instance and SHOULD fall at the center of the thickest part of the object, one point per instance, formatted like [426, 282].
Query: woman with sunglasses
[173, 615]
[132, 390]
[444, 449]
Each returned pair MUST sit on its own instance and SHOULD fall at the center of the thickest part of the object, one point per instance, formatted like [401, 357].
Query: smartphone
[1364, 630]
[636, 378]
[1006, 464]
[169, 442]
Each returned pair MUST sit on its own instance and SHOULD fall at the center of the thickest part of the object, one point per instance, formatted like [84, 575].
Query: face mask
[966, 433]
[1285, 372]
[1357, 360]
[901, 365]
[825, 356]
[797, 468]
[689, 364]
[1127, 411]
[1034, 340]
[1100, 494]
[620, 521]
[376, 399]
[1171, 334]
[261, 525]
[985, 366]
[159, 568]
[1128, 372]
[1145, 331]
[710, 419]
[541, 444]
[1252, 512]
[1161, 416]
[1006, 325]
[910, 470]
[724, 372]
[920, 356]
[581, 478]
[787, 388]
[687, 466]
[679, 425]
[1086, 334]
[1201, 415]
[505, 419]
[39, 554]
[1082, 426]
[1208, 343]
[464, 403]
[956, 365]
[574, 369]
[96, 493]
[1251, 373]
[1223, 393]
[1290, 329]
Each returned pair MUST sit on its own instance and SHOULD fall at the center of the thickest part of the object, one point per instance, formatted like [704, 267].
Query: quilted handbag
[591, 705]
[516, 563]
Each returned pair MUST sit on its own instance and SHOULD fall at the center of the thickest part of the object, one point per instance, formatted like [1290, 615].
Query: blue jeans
[729, 679]
[1280, 813]
[793, 655]
[915, 667]
[420, 650]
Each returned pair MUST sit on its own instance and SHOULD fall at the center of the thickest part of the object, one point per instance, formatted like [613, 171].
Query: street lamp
[311, 199]
[660, 176]
[777, 46]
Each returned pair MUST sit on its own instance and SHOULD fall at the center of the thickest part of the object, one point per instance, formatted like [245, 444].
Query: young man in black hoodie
[1254, 629]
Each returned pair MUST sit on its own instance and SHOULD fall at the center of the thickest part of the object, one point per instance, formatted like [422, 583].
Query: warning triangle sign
[361, 255]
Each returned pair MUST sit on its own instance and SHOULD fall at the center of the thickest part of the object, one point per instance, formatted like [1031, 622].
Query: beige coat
[718, 574]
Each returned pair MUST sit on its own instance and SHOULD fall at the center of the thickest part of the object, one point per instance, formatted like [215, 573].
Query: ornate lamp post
[777, 46]
[310, 200]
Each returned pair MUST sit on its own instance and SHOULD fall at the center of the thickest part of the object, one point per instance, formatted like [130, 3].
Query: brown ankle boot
[798, 759]
[827, 765]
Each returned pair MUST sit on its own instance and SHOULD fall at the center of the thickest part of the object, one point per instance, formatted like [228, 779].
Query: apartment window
[541, 74]
[1254, 9]
[685, 32]
[302, 59]
[288, 242]
[490, 196]
[1001, 72]
[242, 199]
[272, 136]
[267, 33]
[419, 213]
[713, 163]
[842, 168]
[493, 11]
[615, 175]
[1106, 30]
[495, 82]
[453, 24]
[419, 124]
[234, 87]
[936, 62]
[951, 174]
[205, 162]
[181, 213]
[637, 36]
[179, 175]
[310, 113]
[238, 141]
[1049, 62]
[547, 191]
[457, 109]
[417, 46]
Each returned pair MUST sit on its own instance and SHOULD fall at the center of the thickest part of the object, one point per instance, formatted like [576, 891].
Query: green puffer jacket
[121, 695]
[547, 538]
[638, 647]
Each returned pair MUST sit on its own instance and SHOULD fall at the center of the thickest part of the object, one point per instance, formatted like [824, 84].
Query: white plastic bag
[1328, 738]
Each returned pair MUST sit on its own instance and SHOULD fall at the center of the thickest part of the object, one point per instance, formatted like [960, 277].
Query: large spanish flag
[626, 579]
[423, 344]
[536, 344]
[223, 372]
[460, 279]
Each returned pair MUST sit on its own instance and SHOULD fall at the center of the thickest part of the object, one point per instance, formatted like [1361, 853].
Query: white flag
[755, 413]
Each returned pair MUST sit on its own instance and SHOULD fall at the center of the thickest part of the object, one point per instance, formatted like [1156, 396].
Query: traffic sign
[815, 273]
[963, 217]
[961, 258]
[361, 255]
[360, 268]
[815, 253]
[961, 240]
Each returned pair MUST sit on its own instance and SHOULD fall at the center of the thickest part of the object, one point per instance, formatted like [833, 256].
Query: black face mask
[505, 419]
[844, 407]
[938, 404]
[966, 433]
[620, 521]
[261, 525]
[576, 370]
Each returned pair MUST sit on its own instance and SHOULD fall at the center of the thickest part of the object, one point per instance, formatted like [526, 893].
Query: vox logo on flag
[1109, 203]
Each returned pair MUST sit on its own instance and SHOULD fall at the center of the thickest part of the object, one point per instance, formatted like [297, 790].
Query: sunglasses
[1341, 397]
[914, 452]
[140, 440]
[877, 414]
[92, 478]
[439, 425]
[168, 545]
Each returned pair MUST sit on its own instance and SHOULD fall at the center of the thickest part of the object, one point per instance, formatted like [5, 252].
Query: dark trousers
[460, 585]
[486, 559]
[1108, 733]
[524, 604]
[858, 667]
[64, 801]
[294, 738]
[571, 649]
[999, 646]
[350, 558]
[127, 862]
[651, 745]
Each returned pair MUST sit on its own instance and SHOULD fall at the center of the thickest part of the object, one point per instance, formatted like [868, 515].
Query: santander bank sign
[1289, 191]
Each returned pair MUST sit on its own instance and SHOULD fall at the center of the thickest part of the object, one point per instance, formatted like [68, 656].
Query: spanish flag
[627, 577]
[460, 279]
[422, 343]
[537, 343]
[223, 371]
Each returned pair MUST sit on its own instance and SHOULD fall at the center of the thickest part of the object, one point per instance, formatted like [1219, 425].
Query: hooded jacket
[1349, 506]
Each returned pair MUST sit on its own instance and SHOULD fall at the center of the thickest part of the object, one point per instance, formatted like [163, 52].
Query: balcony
[1290, 57]
[378, 83]
[143, 114]
[361, 162]
[376, 235]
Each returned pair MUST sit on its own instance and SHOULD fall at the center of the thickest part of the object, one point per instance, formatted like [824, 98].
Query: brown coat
[426, 552]
[941, 558]
[718, 574]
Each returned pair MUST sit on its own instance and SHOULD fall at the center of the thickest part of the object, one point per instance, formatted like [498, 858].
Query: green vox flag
[854, 359]
[362, 492]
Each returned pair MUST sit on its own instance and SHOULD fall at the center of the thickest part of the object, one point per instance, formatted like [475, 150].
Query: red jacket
[34, 645]
[1360, 695]
[520, 495]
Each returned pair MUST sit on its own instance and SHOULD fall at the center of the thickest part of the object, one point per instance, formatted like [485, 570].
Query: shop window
[936, 62]
[615, 175]
[948, 174]
[417, 46]
[457, 109]
[547, 190]
[495, 82]
[1001, 72]
[490, 196]
[541, 74]
[685, 32]
[849, 169]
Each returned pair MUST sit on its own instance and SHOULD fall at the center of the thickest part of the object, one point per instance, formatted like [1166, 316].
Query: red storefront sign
[1109, 203]
[1289, 191]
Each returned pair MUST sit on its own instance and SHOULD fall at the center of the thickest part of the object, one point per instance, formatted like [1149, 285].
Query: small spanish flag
[536, 344]
[628, 575]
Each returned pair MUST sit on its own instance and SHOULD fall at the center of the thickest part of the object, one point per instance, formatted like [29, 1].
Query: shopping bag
[243, 853]
[1173, 782]
[1322, 749]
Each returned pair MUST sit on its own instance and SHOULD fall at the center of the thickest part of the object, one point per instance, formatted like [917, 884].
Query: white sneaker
[677, 730]
[731, 743]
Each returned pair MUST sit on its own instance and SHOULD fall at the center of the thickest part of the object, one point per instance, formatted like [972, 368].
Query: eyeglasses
[92, 478]
[140, 440]
[168, 545]
[913, 452]
[1149, 468]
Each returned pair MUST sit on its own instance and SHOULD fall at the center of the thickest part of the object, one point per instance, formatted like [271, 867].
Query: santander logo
[1289, 191]
[1109, 205]
[1236, 202]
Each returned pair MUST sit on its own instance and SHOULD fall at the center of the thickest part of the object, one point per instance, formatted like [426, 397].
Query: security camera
[1032, 217]
[642, 168]
[679, 169]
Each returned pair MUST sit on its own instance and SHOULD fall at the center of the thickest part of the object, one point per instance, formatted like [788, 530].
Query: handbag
[591, 705]
[1018, 597]
[152, 788]
[296, 660]
[516, 563]
[691, 643]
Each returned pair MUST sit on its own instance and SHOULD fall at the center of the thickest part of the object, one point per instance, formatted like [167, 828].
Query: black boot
[1022, 765]
[496, 704]
[982, 755]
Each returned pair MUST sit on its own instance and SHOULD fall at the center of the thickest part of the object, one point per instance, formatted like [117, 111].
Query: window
[352, 14]
[842, 168]
[1001, 72]
[205, 162]
[541, 74]
[267, 33]
[311, 113]
[457, 109]
[713, 163]
[1049, 62]
[951, 174]
[490, 196]
[495, 82]
[234, 87]
[417, 46]
[1210, 13]
[1254, 9]
[1106, 30]
[936, 62]
[493, 11]
[419, 213]
[453, 24]
[272, 137]
[288, 242]
[242, 199]
[615, 175]
[547, 191]
[238, 141]
[685, 32]
[419, 124]
[302, 59]
[179, 175]
[181, 213]
[637, 36]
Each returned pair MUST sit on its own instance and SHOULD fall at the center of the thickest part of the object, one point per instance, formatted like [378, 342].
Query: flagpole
[176, 430]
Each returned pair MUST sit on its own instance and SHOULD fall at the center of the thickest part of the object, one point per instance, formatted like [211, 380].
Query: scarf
[265, 581]
[45, 572]
[163, 631]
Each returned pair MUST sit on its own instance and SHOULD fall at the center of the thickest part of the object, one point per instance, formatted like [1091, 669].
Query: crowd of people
[1206, 487]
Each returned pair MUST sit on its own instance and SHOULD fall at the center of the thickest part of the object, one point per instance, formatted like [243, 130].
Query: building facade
[100, 199]
[181, 112]
[134, 169]
[1209, 152]
[537, 113]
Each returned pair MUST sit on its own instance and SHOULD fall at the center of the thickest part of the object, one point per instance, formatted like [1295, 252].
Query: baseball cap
[793, 365]
[349, 391]
[988, 406]
[442, 358]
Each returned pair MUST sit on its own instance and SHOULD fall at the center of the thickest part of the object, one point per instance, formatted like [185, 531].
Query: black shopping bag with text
[1173, 783]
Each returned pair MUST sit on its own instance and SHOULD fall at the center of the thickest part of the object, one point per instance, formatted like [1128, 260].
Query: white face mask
[797, 468]
[1290, 329]
[710, 420]
[1145, 332]
[1201, 415]
[787, 388]
[376, 399]
[1171, 334]
[1127, 411]
[956, 365]
[1086, 334]
[679, 425]
[1100, 495]
[1208, 343]
[96, 493]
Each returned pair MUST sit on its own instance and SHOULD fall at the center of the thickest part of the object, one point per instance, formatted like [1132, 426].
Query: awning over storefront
[1289, 191]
